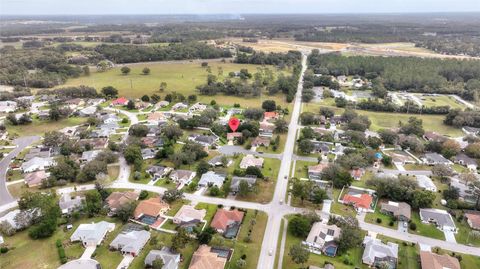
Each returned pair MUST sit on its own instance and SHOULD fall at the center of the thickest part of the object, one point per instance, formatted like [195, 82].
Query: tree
[300, 189]
[146, 71]
[163, 86]
[241, 263]
[131, 153]
[306, 146]
[414, 126]
[269, 105]
[145, 98]
[172, 131]
[125, 70]
[138, 130]
[473, 150]
[91, 170]
[442, 171]
[202, 167]
[338, 175]
[468, 178]
[126, 211]
[180, 239]
[281, 126]
[54, 113]
[451, 193]
[206, 235]
[157, 264]
[110, 92]
[86, 70]
[93, 203]
[450, 148]
[422, 199]
[254, 171]
[243, 188]
[172, 195]
[318, 195]
[350, 237]
[299, 254]
[130, 105]
[299, 226]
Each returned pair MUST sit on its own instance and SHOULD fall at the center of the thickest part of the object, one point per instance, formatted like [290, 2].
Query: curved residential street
[21, 144]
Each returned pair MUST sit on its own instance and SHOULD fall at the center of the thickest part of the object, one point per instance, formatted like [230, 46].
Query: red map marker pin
[233, 123]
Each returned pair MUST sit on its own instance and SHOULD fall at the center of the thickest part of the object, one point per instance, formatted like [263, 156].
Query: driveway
[87, 254]
[402, 226]
[125, 263]
[21, 143]
[327, 204]
[449, 236]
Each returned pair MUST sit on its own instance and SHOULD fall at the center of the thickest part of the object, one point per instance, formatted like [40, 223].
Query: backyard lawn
[408, 253]
[265, 188]
[180, 77]
[301, 168]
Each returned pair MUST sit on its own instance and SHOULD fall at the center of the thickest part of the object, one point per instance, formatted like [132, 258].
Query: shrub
[413, 226]
[391, 223]
[143, 195]
[379, 220]
[3, 250]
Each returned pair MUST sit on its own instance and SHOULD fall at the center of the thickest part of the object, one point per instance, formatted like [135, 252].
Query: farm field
[181, 77]
[38, 127]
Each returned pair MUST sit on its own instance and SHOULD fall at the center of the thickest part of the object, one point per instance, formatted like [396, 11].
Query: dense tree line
[183, 51]
[72, 92]
[408, 107]
[460, 118]
[406, 73]
[280, 59]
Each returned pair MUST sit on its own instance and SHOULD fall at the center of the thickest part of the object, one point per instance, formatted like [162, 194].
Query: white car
[270, 252]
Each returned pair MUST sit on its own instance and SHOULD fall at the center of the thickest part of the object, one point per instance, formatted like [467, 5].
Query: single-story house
[233, 136]
[95, 143]
[8, 106]
[235, 184]
[36, 178]
[400, 210]
[157, 171]
[37, 163]
[122, 101]
[320, 147]
[41, 152]
[426, 183]
[431, 260]
[204, 140]
[376, 253]
[261, 141]
[473, 219]
[179, 106]
[218, 161]
[188, 213]
[267, 116]
[131, 242]
[250, 160]
[152, 207]
[357, 173]
[361, 202]
[211, 178]
[82, 263]
[205, 258]
[315, 171]
[441, 218]
[197, 107]
[92, 234]
[466, 161]
[182, 176]
[227, 222]
[471, 130]
[88, 156]
[88, 111]
[170, 259]
[69, 204]
[321, 239]
[118, 199]
[435, 158]
[266, 129]
[148, 153]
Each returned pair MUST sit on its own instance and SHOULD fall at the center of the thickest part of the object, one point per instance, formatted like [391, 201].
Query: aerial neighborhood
[247, 142]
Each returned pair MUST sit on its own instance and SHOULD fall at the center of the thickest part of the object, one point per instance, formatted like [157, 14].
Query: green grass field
[428, 230]
[38, 127]
[408, 253]
[440, 100]
[180, 77]
[372, 218]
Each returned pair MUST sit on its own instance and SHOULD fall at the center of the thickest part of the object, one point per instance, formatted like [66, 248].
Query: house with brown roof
[261, 141]
[315, 171]
[188, 213]
[473, 219]
[270, 115]
[152, 207]
[434, 261]
[400, 210]
[204, 258]
[95, 143]
[118, 199]
[35, 179]
[357, 173]
[227, 222]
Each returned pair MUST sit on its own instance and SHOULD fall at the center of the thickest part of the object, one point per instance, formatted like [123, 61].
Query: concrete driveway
[125, 263]
[449, 236]
[87, 254]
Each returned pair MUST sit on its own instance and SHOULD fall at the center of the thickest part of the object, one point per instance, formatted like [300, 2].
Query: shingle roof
[434, 261]
[131, 242]
[152, 207]
[223, 218]
[397, 209]
[203, 258]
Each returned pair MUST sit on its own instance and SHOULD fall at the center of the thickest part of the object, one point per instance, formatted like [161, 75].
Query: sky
[94, 7]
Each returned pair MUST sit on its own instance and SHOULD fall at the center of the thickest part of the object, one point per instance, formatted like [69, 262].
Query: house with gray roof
[88, 156]
[435, 158]
[235, 185]
[88, 111]
[42, 152]
[182, 176]
[377, 253]
[158, 171]
[400, 210]
[466, 161]
[82, 263]
[69, 204]
[426, 183]
[218, 161]
[211, 179]
[170, 259]
[131, 242]
[204, 140]
[37, 163]
[441, 218]
[148, 153]
[92, 234]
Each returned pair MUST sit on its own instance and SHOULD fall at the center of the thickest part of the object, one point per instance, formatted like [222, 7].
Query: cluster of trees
[403, 189]
[50, 65]
[182, 51]
[190, 153]
[405, 74]
[308, 190]
[460, 118]
[409, 107]
[71, 92]
[49, 212]
[453, 45]
[290, 58]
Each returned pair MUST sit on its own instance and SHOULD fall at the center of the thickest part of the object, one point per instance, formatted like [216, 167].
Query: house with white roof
[131, 242]
[92, 234]
[426, 183]
[376, 253]
[37, 163]
[211, 179]
[250, 160]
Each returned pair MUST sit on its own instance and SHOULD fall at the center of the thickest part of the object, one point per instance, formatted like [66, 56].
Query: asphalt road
[21, 143]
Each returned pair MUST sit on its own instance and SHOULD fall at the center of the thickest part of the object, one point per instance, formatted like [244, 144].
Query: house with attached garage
[204, 140]
[466, 161]
[400, 210]
[435, 158]
[426, 183]
[250, 160]
[431, 260]
[92, 234]
[170, 259]
[188, 214]
[235, 184]
[376, 253]
[322, 239]
[157, 171]
[117, 200]
[211, 178]
[69, 204]
[473, 219]
[315, 171]
[441, 218]
[227, 222]
[130, 242]
[206, 258]
[35, 179]
[184, 177]
[82, 263]
[37, 163]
